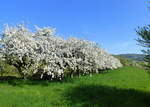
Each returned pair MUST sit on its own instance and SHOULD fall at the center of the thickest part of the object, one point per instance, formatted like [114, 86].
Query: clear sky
[111, 23]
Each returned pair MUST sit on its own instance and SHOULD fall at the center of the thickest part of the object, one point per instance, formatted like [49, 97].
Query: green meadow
[124, 87]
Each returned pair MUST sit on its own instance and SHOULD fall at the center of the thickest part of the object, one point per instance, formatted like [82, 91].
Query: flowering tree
[1, 68]
[43, 53]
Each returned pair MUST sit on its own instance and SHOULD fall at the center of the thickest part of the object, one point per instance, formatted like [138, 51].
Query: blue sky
[111, 23]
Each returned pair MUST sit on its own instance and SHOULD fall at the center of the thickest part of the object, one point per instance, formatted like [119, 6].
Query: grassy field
[125, 87]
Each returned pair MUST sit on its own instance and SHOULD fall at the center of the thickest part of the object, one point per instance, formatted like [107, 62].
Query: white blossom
[53, 55]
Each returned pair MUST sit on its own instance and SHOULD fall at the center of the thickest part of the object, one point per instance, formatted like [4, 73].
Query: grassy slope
[125, 87]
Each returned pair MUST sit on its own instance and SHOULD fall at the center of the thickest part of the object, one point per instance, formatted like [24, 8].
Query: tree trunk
[21, 73]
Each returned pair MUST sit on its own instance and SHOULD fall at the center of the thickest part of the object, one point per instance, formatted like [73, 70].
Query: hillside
[124, 87]
[134, 57]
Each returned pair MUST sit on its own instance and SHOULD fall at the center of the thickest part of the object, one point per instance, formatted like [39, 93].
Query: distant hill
[134, 57]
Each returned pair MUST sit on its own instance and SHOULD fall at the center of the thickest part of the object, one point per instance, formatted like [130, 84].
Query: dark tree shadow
[6, 78]
[15, 81]
[103, 96]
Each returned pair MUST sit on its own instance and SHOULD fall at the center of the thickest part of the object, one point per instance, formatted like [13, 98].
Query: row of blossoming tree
[44, 54]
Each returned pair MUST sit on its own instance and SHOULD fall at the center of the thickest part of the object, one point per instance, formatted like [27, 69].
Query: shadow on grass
[15, 81]
[103, 96]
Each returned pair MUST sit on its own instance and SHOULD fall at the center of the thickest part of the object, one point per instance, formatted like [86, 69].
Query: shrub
[44, 53]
